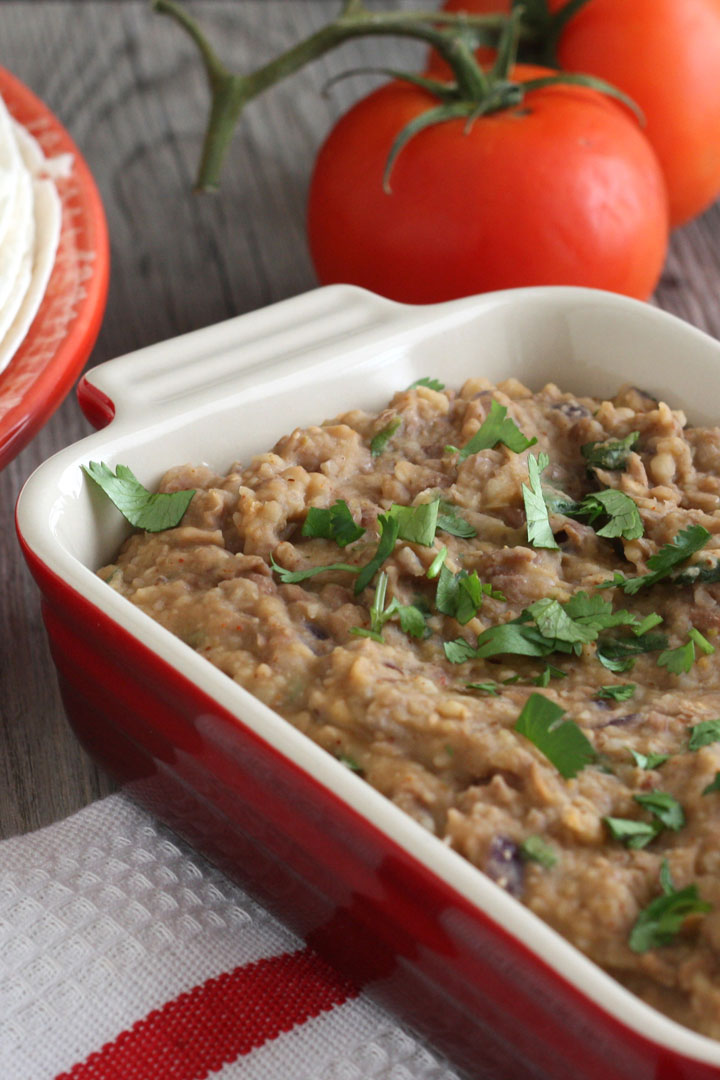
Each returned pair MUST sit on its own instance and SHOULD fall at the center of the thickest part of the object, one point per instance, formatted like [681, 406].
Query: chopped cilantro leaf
[412, 618]
[550, 672]
[622, 511]
[496, 428]
[513, 638]
[649, 761]
[618, 653]
[539, 531]
[558, 502]
[486, 687]
[680, 548]
[451, 522]
[611, 454]
[380, 441]
[678, 660]
[416, 524]
[561, 741]
[432, 384]
[461, 595]
[617, 692]
[459, 651]
[634, 834]
[699, 573]
[662, 919]
[437, 564]
[664, 807]
[535, 849]
[554, 623]
[292, 577]
[595, 612]
[152, 511]
[389, 528]
[334, 523]
[704, 734]
[714, 785]
[350, 764]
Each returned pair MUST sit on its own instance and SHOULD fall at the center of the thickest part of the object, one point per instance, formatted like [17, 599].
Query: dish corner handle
[233, 355]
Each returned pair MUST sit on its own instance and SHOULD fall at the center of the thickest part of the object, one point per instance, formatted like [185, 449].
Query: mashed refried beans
[400, 694]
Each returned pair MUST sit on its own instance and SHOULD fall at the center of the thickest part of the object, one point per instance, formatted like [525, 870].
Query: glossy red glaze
[67, 323]
[97, 407]
[356, 896]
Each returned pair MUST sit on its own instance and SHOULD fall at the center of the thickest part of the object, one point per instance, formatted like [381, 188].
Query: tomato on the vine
[665, 54]
[562, 189]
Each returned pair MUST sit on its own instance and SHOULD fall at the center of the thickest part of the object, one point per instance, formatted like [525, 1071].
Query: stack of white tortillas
[30, 216]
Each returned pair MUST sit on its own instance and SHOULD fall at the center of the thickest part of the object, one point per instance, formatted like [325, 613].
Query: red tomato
[563, 190]
[666, 55]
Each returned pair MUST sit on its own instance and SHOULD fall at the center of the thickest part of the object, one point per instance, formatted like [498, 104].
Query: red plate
[67, 323]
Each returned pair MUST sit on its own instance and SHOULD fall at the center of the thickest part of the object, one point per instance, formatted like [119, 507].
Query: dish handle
[234, 355]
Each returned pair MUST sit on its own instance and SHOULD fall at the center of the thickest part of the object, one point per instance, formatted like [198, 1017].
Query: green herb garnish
[461, 595]
[486, 687]
[649, 761]
[437, 564]
[412, 618]
[432, 384]
[616, 692]
[618, 654]
[660, 922]
[292, 577]
[496, 428]
[152, 511]
[555, 624]
[380, 441]
[622, 511]
[561, 741]
[539, 531]
[511, 637]
[451, 522]
[699, 574]
[648, 623]
[634, 834]
[704, 734]
[611, 454]
[714, 785]
[550, 672]
[682, 658]
[664, 807]
[389, 528]
[535, 849]
[332, 523]
[664, 561]
[416, 524]
[350, 764]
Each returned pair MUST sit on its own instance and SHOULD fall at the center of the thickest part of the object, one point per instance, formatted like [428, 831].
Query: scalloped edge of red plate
[66, 326]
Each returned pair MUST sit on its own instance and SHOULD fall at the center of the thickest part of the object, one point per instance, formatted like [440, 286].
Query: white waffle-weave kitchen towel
[126, 956]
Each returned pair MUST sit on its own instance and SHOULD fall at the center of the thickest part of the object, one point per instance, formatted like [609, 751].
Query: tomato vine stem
[454, 36]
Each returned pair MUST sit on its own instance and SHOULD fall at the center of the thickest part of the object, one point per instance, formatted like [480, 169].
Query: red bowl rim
[33, 385]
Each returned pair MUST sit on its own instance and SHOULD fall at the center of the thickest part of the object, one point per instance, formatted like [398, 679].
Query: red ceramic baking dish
[369, 888]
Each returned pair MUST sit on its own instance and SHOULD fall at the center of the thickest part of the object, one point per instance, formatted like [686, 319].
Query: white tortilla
[10, 168]
[30, 222]
[48, 216]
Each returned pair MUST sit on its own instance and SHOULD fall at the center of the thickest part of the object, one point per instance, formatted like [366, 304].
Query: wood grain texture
[127, 85]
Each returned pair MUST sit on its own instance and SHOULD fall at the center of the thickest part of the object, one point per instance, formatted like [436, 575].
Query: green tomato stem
[231, 92]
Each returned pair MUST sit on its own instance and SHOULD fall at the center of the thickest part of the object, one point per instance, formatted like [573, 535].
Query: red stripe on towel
[219, 1020]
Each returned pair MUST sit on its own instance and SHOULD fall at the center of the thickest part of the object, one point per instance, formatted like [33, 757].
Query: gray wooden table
[127, 85]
